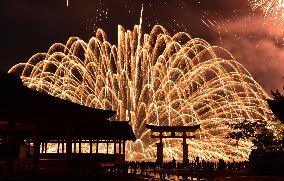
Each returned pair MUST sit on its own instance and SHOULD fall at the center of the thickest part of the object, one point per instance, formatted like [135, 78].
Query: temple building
[38, 130]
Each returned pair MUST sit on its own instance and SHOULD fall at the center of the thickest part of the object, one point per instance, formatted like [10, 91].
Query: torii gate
[173, 130]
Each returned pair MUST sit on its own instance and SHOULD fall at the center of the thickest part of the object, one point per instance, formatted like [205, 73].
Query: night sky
[32, 26]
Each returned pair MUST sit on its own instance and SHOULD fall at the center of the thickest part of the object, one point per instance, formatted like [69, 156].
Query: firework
[272, 10]
[155, 79]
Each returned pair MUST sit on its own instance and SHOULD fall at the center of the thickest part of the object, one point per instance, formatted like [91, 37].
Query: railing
[20, 166]
[97, 157]
[56, 163]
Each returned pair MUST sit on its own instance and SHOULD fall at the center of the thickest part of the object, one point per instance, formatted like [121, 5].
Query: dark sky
[32, 26]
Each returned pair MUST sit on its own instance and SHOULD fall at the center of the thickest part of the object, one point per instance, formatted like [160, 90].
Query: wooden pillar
[107, 146]
[123, 156]
[91, 146]
[119, 151]
[114, 151]
[160, 153]
[97, 147]
[114, 147]
[42, 147]
[63, 142]
[119, 148]
[68, 147]
[36, 148]
[74, 150]
[28, 146]
[80, 147]
[184, 149]
[11, 139]
[58, 146]
[45, 146]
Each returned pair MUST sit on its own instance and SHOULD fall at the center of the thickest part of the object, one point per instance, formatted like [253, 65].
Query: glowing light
[67, 3]
[155, 79]
[273, 10]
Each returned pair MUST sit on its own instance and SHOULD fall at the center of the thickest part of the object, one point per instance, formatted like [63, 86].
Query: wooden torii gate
[183, 132]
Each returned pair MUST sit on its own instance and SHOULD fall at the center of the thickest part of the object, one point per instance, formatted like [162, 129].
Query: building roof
[110, 130]
[28, 107]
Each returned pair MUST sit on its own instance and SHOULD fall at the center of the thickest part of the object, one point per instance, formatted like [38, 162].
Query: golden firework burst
[155, 79]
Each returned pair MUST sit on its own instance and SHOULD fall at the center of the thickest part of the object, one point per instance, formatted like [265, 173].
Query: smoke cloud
[259, 49]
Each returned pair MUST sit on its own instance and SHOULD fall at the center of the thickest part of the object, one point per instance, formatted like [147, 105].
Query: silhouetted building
[30, 120]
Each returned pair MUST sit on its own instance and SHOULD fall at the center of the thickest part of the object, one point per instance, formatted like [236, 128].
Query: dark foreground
[196, 170]
[172, 174]
[138, 178]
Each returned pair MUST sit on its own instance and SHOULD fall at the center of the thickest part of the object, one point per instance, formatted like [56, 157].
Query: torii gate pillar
[184, 149]
[160, 154]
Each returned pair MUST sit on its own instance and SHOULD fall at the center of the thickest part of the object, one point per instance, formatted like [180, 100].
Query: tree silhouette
[267, 156]
[247, 130]
[277, 105]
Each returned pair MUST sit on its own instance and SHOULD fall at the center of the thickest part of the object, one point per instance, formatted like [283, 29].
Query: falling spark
[212, 21]
[155, 79]
[67, 3]
[205, 23]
